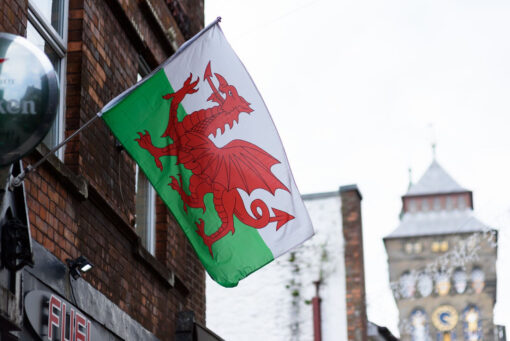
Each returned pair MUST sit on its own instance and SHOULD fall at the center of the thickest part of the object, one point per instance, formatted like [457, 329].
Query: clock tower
[442, 263]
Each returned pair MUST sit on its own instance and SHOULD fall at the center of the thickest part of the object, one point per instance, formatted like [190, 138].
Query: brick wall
[85, 205]
[189, 15]
[13, 17]
[354, 266]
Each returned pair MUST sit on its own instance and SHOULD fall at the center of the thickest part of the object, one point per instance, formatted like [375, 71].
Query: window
[442, 283]
[460, 281]
[437, 204]
[47, 29]
[145, 211]
[449, 203]
[412, 205]
[425, 205]
[413, 247]
[439, 246]
[461, 203]
[407, 285]
[419, 328]
[425, 284]
[477, 280]
[443, 246]
[435, 246]
[145, 196]
[472, 323]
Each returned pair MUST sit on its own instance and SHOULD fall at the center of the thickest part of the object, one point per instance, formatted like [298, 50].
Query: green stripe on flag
[235, 256]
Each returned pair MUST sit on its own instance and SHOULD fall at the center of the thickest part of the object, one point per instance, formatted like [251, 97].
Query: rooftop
[437, 223]
[439, 220]
[435, 181]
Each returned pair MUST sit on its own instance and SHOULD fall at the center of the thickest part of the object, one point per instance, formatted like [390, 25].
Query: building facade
[442, 263]
[89, 198]
[316, 292]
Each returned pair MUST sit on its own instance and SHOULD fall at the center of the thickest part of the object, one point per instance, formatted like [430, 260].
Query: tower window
[439, 246]
[477, 280]
[461, 203]
[425, 285]
[442, 284]
[443, 246]
[449, 203]
[460, 281]
[413, 247]
[472, 323]
[419, 325]
[437, 204]
[407, 285]
[425, 205]
[435, 246]
[412, 205]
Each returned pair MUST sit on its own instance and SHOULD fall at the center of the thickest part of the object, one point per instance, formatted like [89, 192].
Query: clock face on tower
[445, 318]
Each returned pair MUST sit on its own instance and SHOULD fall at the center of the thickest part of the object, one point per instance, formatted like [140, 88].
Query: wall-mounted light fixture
[78, 265]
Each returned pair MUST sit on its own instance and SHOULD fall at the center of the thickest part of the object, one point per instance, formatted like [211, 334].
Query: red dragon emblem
[220, 171]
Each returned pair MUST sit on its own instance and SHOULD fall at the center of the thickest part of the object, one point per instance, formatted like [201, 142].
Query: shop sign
[55, 319]
[28, 97]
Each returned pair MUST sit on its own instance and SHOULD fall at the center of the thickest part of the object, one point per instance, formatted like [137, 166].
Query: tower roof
[437, 223]
[435, 181]
[425, 218]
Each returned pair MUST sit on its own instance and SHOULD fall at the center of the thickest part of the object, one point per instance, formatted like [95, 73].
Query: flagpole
[15, 182]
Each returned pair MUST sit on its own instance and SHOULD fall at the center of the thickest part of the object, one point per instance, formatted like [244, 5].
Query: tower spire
[410, 177]
[433, 140]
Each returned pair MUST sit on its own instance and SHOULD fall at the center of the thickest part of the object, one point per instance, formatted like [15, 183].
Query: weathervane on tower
[433, 140]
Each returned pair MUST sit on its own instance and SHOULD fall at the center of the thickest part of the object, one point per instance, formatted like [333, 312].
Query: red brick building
[89, 199]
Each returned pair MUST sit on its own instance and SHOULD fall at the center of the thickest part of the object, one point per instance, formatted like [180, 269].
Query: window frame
[150, 237]
[58, 43]
[423, 279]
[150, 222]
[407, 285]
[460, 280]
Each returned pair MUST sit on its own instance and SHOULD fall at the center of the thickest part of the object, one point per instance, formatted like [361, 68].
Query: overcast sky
[359, 90]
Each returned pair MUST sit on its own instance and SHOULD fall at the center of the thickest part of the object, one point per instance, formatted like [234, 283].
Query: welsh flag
[200, 131]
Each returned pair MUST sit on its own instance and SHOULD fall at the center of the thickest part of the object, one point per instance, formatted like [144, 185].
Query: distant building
[442, 263]
[316, 292]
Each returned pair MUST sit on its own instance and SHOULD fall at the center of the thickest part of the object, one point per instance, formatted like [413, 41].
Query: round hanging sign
[28, 97]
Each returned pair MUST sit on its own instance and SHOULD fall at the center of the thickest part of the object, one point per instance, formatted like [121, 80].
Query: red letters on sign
[65, 324]
[79, 327]
[80, 322]
[53, 319]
